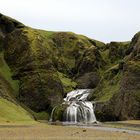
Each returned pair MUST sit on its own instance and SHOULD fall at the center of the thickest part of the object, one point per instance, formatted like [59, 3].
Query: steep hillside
[10, 110]
[119, 90]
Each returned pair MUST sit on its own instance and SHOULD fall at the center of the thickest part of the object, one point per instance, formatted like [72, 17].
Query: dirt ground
[42, 131]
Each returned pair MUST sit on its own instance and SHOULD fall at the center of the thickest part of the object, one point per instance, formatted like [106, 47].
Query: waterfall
[51, 118]
[79, 110]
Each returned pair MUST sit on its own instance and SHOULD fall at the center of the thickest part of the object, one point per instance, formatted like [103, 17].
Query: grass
[68, 84]
[110, 84]
[46, 34]
[6, 73]
[109, 91]
[12, 112]
[41, 115]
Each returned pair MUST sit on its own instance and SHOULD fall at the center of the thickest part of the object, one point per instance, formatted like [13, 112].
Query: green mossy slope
[11, 112]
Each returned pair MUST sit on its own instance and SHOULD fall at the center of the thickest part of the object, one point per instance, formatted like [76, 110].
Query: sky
[104, 20]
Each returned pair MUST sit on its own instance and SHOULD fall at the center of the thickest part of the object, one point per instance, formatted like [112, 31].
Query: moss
[100, 45]
[111, 72]
[137, 95]
[108, 86]
[105, 54]
[70, 49]
[6, 72]
[108, 91]
[134, 65]
[117, 51]
[41, 115]
[46, 34]
[68, 83]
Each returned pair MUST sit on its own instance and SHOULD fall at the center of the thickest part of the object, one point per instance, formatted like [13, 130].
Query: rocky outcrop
[125, 100]
[88, 80]
[117, 50]
[7, 25]
[134, 48]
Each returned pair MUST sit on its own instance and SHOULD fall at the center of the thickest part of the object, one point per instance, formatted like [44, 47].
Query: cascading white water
[79, 109]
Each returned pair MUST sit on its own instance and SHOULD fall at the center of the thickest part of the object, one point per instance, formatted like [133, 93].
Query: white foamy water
[79, 110]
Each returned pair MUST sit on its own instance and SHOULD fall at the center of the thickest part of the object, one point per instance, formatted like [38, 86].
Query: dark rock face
[88, 80]
[91, 61]
[134, 48]
[128, 99]
[125, 104]
[8, 24]
[117, 50]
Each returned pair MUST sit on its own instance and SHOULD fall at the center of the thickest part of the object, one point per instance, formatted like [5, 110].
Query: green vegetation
[107, 92]
[13, 112]
[68, 83]
[41, 115]
[107, 88]
[6, 73]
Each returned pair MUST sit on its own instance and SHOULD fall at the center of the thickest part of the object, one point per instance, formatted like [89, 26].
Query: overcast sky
[105, 20]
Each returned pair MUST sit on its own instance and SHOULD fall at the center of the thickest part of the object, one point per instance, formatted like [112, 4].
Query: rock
[128, 99]
[117, 50]
[8, 24]
[91, 61]
[88, 80]
[134, 48]
[84, 130]
[71, 48]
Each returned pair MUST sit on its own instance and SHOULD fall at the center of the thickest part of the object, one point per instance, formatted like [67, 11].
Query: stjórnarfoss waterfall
[79, 110]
